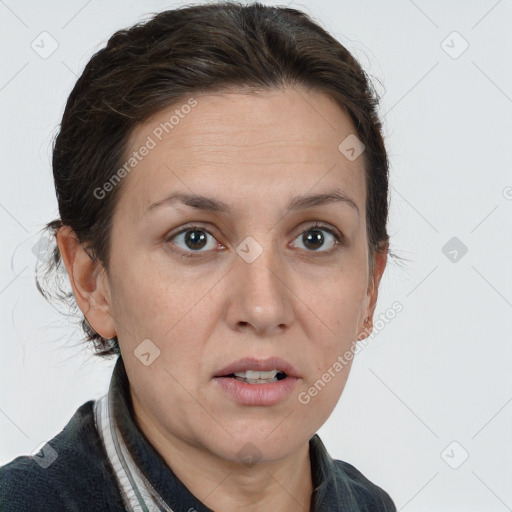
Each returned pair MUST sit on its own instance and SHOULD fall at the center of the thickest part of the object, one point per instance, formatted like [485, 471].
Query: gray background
[434, 385]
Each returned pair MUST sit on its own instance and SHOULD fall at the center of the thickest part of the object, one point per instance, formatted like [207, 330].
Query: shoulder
[369, 496]
[70, 472]
[22, 487]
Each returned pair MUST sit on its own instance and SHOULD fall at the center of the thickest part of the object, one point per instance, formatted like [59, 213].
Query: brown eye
[314, 239]
[193, 239]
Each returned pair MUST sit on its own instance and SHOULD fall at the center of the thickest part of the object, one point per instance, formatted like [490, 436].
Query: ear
[379, 265]
[89, 282]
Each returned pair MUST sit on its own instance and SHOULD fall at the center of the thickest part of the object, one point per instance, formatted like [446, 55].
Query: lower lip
[257, 394]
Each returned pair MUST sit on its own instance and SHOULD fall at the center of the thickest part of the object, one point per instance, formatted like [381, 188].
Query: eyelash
[339, 239]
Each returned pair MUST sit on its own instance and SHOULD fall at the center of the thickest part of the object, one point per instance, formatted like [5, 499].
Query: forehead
[239, 145]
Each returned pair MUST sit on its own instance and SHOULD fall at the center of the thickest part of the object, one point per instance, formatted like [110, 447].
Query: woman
[222, 184]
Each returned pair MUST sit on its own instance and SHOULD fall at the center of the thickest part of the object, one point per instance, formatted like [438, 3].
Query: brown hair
[202, 48]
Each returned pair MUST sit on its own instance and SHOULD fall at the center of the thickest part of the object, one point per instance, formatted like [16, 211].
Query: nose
[261, 297]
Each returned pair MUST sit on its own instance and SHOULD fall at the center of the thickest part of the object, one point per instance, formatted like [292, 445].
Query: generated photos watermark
[304, 397]
[144, 150]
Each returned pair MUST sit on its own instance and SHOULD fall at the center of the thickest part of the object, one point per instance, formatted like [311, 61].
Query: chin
[259, 442]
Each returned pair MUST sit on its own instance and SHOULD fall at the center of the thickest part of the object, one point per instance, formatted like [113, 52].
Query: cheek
[340, 309]
[172, 310]
[150, 299]
[339, 304]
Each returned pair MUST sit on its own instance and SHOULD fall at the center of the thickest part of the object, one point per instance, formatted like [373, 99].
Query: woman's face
[240, 274]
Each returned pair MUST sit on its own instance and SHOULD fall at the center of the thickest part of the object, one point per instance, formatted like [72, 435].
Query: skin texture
[255, 152]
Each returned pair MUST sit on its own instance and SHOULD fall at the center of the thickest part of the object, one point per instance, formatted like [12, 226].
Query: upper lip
[262, 365]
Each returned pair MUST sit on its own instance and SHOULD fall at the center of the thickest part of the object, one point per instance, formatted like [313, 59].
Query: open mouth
[257, 382]
[258, 377]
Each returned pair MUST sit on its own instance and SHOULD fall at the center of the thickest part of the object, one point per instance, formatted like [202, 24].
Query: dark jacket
[81, 477]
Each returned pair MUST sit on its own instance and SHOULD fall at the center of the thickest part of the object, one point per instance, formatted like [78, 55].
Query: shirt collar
[167, 484]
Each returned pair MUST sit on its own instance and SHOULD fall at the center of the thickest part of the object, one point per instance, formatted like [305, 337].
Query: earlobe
[89, 283]
[366, 330]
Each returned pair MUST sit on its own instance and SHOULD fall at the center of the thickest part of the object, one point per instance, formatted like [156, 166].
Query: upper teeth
[249, 374]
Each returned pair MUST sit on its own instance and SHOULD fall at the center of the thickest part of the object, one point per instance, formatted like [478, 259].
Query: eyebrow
[299, 202]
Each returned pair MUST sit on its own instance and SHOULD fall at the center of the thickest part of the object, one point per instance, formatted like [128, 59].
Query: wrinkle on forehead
[248, 140]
